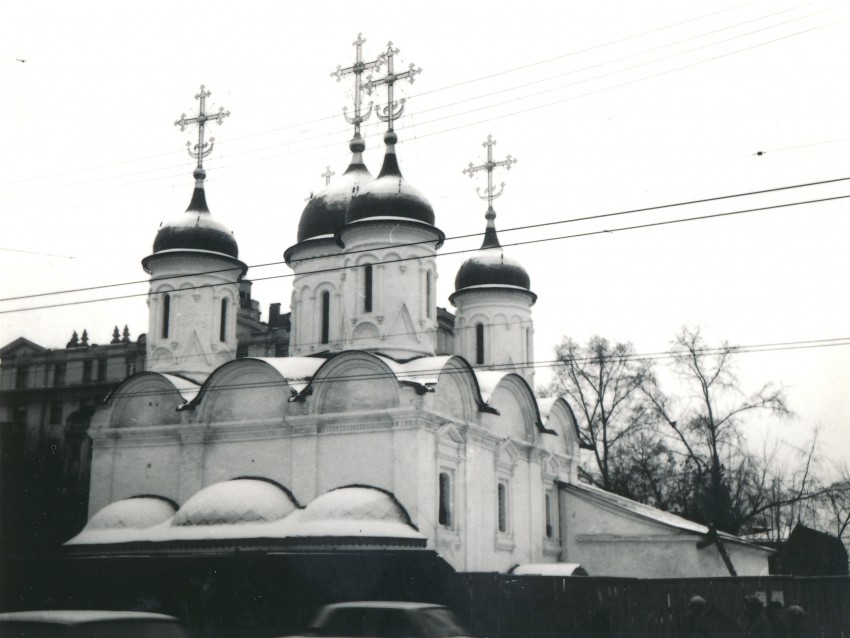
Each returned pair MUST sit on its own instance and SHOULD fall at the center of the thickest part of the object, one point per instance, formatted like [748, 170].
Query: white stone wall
[196, 283]
[508, 329]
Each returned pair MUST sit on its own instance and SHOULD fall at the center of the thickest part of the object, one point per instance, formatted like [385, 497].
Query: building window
[550, 515]
[428, 301]
[326, 316]
[101, 369]
[367, 288]
[59, 374]
[87, 368]
[502, 497]
[166, 315]
[444, 516]
[479, 343]
[55, 412]
[22, 377]
[222, 330]
[129, 367]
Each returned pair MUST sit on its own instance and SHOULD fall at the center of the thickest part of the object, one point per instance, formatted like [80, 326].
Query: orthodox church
[363, 436]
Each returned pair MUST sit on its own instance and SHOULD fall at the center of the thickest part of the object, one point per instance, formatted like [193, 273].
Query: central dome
[492, 268]
[324, 214]
[390, 195]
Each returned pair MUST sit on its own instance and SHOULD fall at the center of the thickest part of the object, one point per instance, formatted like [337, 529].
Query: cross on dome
[327, 175]
[490, 238]
[202, 149]
[356, 70]
[393, 110]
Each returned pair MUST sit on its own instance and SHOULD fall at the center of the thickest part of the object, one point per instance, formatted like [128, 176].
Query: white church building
[362, 436]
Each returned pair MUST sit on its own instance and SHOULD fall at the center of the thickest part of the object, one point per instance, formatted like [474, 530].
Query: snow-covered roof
[549, 569]
[253, 508]
[298, 371]
[188, 389]
[647, 512]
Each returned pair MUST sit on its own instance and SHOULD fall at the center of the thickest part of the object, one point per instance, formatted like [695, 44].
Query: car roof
[382, 604]
[80, 616]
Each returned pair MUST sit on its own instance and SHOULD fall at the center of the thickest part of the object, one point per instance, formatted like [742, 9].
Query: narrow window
[479, 343]
[428, 294]
[59, 374]
[445, 513]
[503, 507]
[367, 288]
[222, 331]
[101, 369]
[87, 368]
[129, 366]
[550, 530]
[166, 314]
[326, 316]
[22, 376]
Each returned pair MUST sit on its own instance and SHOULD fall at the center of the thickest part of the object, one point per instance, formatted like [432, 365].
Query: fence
[507, 606]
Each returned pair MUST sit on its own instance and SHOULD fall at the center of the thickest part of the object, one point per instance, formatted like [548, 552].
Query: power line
[704, 200]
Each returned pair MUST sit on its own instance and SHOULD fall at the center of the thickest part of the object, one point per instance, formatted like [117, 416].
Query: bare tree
[707, 423]
[602, 381]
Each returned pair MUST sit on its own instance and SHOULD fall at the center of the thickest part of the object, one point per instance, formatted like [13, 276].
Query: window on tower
[367, 288]
[326, 316]
[502, 497]
[222, 332]
[444, 516]
[428, 294]
[166, 314]
[479, 343]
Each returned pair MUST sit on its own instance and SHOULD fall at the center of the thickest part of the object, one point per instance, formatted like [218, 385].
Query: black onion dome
[324, 214]
[389, 194]
[196, 229]
[490, 267]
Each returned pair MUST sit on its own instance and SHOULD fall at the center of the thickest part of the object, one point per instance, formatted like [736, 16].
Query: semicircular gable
[517, 416]
[244, 390]
[145, 399]
[352, 381]
[562, 420]
[456, 391]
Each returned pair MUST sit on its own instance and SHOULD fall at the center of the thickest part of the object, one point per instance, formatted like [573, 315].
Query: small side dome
[356, 504]
[389, 194]
[241, 500]
[324, 214]
[492, 268]
[138, 512]
[196, 229]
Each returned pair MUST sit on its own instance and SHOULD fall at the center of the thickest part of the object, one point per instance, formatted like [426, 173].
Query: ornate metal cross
[327, 175]
[202, 149]
[488, 166]
[393, 110]
[357, 69]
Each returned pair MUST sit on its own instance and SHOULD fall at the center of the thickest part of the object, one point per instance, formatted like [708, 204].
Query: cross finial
[393, 110]
[489, 193]
[327, 175]
[357, 69]
[201, 149]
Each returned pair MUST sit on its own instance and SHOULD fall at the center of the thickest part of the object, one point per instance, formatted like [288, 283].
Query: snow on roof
[549, 569]
[424, 370]
[488, 380]
[188, 389]
[648, 512]
[139, 512]
[298, 371]
[77, 616]
[251, 509]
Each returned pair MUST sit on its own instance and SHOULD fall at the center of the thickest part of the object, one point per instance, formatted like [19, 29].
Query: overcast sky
[609, 107]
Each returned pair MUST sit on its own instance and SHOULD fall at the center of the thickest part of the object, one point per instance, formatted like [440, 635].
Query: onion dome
[240, 500]
[324, 214]
[490, 267]
[196, 229]
[389, 194]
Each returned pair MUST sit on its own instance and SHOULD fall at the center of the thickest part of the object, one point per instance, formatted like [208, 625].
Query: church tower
[493, 297]
[319, 322]
[193, 297]
[390, 245]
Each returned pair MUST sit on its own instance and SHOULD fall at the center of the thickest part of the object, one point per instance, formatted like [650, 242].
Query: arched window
[166, 314]
[444, 516]
[428, 294]
[326, 316]
[550, 528]
[222, 330]
[367, 288]
[479, 343]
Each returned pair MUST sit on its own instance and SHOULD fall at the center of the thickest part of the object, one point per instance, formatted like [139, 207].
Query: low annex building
[363, 435]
